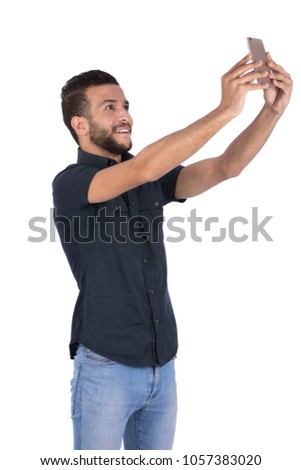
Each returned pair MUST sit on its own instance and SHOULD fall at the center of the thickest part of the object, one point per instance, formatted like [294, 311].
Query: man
[108, 211]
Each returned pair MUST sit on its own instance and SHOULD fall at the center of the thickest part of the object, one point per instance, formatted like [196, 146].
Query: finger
[278, 71]
[285, 86]
[242, 69]
[241, 62]
[273, 65]
[271, 61]
[282, 86]
[251, 76]
[255, 86]
[281, 77]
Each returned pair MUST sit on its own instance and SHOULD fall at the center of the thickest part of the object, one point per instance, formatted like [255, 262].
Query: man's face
[110, 123]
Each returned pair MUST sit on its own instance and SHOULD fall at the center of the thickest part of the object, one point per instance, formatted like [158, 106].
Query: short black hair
[74, 98]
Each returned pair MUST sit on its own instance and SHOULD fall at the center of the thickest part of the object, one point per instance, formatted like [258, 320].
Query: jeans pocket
[74, 385]
[96, 359]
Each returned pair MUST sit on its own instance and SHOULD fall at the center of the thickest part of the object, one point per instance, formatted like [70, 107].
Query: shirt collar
[85, 158]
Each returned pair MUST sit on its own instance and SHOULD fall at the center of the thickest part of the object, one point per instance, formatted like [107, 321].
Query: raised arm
[157, 159]
[200, 176]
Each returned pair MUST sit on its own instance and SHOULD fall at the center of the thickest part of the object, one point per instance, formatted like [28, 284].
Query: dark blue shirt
[116, 253]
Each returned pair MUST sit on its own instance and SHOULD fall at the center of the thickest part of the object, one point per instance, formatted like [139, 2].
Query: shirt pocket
[151, 215]
[152, 202]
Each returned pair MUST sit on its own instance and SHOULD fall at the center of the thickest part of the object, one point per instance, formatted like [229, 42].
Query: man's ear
[80, 125]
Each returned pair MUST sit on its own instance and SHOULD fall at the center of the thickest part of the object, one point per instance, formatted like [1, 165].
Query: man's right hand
[237, 82]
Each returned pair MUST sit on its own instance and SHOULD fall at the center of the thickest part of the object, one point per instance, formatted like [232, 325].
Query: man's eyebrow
[113, 101]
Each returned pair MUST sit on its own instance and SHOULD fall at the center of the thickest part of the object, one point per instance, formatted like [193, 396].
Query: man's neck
[95, 150]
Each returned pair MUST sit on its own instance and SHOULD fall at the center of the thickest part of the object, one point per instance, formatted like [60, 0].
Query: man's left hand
[278, 97]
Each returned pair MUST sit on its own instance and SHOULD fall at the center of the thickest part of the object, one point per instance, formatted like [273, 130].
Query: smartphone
[257, 48]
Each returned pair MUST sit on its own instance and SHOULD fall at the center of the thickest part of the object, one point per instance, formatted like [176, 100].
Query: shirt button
[152, 291]
[145, 260]
[156, 204]
[157, 320]
[133, 203]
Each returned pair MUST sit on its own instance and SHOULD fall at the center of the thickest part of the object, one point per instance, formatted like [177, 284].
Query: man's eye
[110, 106]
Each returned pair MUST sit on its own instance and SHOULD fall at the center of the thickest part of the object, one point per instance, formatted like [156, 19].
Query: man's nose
[125, 116]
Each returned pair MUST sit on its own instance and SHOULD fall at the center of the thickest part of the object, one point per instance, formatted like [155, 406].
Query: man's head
[96, 113]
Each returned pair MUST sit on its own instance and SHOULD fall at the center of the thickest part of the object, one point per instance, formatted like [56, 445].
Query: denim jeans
[112, 402]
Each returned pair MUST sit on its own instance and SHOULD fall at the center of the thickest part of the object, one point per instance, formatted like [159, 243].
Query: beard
[106, 141]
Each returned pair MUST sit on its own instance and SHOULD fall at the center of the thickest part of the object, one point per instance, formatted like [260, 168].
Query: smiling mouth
[123, 130]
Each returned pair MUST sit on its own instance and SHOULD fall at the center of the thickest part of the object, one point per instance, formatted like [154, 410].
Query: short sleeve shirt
[116, 253]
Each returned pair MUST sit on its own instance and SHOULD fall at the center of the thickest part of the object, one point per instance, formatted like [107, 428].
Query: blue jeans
[112, 402]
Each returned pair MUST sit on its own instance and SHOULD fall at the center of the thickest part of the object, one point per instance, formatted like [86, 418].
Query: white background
[237, 304]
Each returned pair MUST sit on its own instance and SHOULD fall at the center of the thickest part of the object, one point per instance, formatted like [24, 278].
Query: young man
[108, 211]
